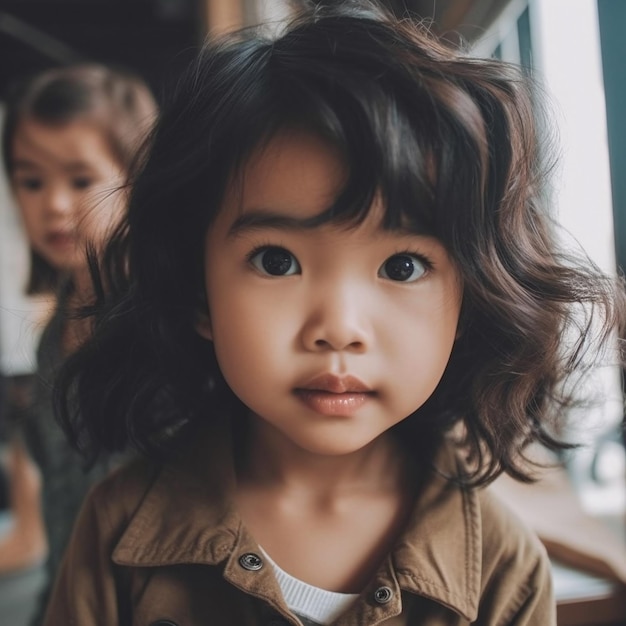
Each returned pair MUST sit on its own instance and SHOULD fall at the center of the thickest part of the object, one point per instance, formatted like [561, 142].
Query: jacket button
[382, 595]
[164, 622]
[250, 561]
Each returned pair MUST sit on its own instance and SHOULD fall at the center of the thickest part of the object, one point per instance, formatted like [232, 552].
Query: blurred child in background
[70, 136]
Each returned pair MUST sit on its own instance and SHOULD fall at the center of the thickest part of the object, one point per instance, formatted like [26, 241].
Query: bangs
[385, 154]
[416, 147]
[407, 118]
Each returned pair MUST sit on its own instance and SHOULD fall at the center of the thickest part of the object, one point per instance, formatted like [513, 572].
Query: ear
[203, 326]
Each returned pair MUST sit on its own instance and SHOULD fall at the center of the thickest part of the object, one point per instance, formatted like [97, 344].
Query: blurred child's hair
[449, 143]
[116, 102]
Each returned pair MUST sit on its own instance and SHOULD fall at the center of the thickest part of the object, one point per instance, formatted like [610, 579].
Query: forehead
[296, 173]
[68, 145]
[300, 180]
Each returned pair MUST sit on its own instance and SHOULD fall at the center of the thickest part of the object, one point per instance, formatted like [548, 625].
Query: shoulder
[506, 542]
[116, 498]
[88, 583]
[466, 550]
[128, 482]
[515, 564]
[506, 538]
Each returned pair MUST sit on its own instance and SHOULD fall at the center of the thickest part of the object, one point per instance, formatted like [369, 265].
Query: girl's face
[63, 178]
[330, 335]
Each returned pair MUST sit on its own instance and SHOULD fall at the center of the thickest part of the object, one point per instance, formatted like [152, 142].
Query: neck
[274, 461]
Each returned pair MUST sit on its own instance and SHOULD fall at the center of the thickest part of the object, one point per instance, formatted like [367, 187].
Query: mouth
[336, 384]
[334, 395]
[61, 239]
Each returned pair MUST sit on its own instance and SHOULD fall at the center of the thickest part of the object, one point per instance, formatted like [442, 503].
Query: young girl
[334, 312]
[69, 138]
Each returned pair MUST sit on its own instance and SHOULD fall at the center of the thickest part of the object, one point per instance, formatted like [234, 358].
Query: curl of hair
[449, 142]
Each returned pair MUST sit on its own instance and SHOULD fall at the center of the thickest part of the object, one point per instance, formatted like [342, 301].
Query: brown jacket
[164, 547]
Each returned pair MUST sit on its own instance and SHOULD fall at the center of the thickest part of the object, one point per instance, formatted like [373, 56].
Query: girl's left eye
[275, 261]
[405, 268]
[30, 184]
[81, 182]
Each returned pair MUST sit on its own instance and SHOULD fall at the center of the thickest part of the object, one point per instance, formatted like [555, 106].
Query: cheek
[420, 342]
[244, 326]
[425, 348]
[243, 353]
[252, 335]
[32, 219]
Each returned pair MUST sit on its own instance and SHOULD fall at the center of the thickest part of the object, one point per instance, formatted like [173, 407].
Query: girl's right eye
[30, 184]
[81, 182]
[274, 261]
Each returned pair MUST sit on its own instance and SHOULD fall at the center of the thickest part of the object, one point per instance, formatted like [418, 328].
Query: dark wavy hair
[448, 141]
[117, 102]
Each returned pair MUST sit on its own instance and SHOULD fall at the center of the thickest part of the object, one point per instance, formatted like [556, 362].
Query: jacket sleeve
[84, 592]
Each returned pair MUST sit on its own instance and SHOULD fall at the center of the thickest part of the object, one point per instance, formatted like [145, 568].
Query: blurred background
[156, 37]
[574, 49]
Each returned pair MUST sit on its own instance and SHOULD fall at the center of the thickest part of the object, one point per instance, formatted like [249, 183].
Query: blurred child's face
[330, 335]
[63, 179]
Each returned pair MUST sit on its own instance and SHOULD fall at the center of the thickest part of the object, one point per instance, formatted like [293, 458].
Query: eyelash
[421, 257]
[37, 184]
[82, 182]
[261, 248]
[426, 261]
[29, 184]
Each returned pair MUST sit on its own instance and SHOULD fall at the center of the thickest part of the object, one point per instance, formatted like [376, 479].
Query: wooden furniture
[587, 600]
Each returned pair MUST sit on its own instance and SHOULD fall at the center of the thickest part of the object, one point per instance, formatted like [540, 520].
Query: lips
[334, 395]
[336, 384]
[61, 238]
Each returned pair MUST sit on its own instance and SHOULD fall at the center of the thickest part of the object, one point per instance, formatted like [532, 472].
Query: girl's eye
[275, 261]
[405, 268]
[81, 182]
[30, 184]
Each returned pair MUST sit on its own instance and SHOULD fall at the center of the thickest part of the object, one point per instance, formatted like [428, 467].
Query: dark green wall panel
[612, 16]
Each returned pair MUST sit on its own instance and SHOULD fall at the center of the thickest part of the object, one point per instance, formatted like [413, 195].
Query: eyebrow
[260, 219]
[24, 165]
[74, 166]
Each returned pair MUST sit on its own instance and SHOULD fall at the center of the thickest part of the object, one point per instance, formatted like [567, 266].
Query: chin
[334, 446]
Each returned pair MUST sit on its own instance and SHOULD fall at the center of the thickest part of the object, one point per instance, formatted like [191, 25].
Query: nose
[59, 199]
[338, 321]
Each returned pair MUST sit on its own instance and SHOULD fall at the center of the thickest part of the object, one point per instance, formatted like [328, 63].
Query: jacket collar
[187, 517]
